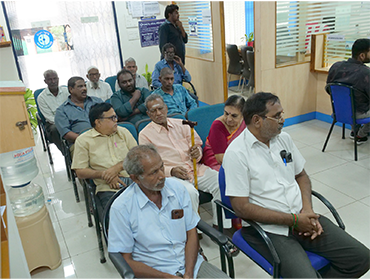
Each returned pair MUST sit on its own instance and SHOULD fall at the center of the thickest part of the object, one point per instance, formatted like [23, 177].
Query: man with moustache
[354, 72]
[96, 87]
[100, 151]
[129, 101]
[267, 183]
[72, 116]
[152, 223]
[48, 101]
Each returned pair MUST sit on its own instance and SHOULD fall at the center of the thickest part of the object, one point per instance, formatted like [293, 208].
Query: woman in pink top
[223, 131]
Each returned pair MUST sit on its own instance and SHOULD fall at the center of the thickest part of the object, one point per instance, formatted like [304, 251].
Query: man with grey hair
[170, 249]
[95, 87]
[130, 65]
[176, 97]
[48, 101]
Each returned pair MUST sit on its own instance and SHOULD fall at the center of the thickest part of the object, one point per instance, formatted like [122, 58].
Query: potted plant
[31, 108]
[249, 39]
[147, 75]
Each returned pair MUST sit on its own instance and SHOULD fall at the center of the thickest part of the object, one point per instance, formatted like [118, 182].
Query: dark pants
[53, 135]
[348, 257]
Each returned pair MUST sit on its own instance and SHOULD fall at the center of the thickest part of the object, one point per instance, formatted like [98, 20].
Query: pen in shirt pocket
[115, 144]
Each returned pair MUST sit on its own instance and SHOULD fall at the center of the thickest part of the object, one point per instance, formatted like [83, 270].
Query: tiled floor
[335, 174]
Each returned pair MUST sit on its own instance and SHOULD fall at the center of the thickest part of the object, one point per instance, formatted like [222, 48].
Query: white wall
[8, 69]
[147, 55]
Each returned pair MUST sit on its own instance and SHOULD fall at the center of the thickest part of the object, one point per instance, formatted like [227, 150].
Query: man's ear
[160, 79]
[256, 121]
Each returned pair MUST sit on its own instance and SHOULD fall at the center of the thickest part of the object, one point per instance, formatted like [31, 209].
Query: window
[297, 20]
[235, 22]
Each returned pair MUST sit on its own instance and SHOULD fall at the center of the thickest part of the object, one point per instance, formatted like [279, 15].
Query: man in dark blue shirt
[172, 31]
[355, 73]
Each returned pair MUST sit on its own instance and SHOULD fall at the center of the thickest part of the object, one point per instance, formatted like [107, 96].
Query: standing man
[95, 87]
[267, 183]
[176, 97]
[49, 100]
[72, 116]
[129, 101]
[100, 151]
[172, 31]
[173, 141]
[173, 62]
[152, 223]
[130, 65]
[355, 73]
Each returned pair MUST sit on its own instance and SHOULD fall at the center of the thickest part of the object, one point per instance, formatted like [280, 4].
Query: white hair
[48, 72]
[130, 59]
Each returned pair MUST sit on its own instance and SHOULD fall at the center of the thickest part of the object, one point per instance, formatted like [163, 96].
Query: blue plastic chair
[112, 82]
[205, 116]
[317, 261]
[344, 109]
[41, 121]
[130, 127]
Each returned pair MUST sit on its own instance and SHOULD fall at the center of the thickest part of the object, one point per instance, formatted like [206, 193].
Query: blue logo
[43, 39]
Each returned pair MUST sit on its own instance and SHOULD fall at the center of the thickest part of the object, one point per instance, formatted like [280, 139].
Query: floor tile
[65, 204]
[366, 201]
[347, 178]
[84, 263]
[62, 244]
[65, 270]
[309, 135]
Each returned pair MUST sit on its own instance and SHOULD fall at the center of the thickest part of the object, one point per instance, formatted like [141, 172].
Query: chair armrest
[331, 208]
[213, 233]
[121, 265]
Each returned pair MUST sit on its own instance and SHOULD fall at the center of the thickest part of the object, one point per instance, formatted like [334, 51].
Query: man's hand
[305, 224]
[178, 60]
[194, 152]
[317, 228]
[137, 94]
[115, 184]
[109, 174]
[179, 24]
[180, 172]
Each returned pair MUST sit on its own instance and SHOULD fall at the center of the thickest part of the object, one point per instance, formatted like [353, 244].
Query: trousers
[365, 129]
[209, 271]
[53, 135]
[348, 257]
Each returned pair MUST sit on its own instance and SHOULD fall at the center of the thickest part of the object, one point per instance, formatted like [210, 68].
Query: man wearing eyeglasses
[100, 151]
[267, 183]
[172, 61]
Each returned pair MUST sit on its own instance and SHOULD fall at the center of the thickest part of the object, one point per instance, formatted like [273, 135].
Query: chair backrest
[250, 59]
[225, 199]
[141, 124]
[205, 116]
[130, 127]
[235, 66]
[112, 82]
[36, 96]
[246, 69]
[342, 102]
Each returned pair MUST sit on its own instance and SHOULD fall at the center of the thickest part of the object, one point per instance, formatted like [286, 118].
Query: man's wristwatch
[179, 274]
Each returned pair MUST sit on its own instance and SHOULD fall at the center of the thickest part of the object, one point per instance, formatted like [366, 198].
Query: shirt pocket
[177, 229]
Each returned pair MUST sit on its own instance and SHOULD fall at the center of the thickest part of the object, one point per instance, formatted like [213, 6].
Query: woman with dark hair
[223, 131]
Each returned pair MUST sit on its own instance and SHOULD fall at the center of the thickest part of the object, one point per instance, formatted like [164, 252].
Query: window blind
[200, 43]
[297, 20]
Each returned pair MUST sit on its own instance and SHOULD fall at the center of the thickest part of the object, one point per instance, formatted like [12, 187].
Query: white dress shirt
[48, 103]
[254, 170]
[103, 90]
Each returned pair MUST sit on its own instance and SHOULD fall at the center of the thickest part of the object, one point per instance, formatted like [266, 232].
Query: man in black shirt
[172, 31]
[353, 72]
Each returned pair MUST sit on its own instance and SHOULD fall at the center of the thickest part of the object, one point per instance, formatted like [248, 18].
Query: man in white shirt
[130, 65]
[267, 183]
[48, 101]
[95, 87]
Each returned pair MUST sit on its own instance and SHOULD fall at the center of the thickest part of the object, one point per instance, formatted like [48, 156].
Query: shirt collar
[251, 140]
[144, 200]
[88, 98]
[95, 133]
[352, 60]
[159, 127]
[48, 92]
[166, 63]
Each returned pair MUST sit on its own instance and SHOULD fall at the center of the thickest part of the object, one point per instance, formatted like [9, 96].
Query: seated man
[72, 116]
[129, 101]
[49, 100]
[130, 65]
[173, 62]
[173, 141]
[95, 87]
[273, 189]
[100, 151]
[176, 97]
[153, 225]
[355, 73]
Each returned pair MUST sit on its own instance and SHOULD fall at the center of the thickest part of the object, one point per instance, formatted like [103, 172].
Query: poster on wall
[193, 28]
[148, 30]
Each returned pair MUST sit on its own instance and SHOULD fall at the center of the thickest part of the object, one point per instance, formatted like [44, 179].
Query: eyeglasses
[113, 118]
[277, 118]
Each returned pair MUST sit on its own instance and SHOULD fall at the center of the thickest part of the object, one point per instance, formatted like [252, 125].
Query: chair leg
[88, 204]
[343, 131]
[97, 227]
[355, 143]
[228, 81]
[42, 138]
[239, 82]
[49, 154]
[243, 85]
[327, 138]
[75, 186]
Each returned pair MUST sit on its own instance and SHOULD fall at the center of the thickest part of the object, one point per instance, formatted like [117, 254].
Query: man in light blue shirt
[173, 62]
[152, 223]
[176, 97]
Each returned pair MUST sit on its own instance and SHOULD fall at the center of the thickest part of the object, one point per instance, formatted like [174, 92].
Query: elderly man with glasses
[100, 151]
